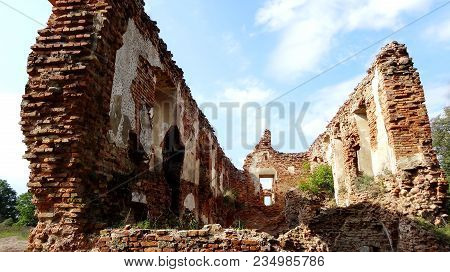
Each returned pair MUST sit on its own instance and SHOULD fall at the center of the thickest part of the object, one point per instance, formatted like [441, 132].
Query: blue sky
[253, 51]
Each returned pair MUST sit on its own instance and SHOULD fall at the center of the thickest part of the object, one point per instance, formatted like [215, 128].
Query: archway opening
[364, 156]
[173, 157]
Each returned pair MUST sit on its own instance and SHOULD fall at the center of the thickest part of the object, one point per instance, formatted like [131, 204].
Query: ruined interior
[115, 136]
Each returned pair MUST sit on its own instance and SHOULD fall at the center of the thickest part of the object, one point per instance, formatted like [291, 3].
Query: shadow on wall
[363, 227]
[173, 157]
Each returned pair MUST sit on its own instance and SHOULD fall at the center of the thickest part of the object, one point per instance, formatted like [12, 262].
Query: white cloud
[324, 105]
[247, 90]
[309, 28]
[439, 32]
[230, 43]
[233, 48]
[13, 168]
[436, 98]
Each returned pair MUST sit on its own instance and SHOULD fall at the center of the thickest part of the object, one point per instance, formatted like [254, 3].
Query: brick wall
[361, 227]
[104, 110]
[212, 238]
[113, 135]
[383, 130]
[287, 169]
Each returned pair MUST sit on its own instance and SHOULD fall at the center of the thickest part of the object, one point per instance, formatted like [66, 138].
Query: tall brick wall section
[102, 97]
[383, 130]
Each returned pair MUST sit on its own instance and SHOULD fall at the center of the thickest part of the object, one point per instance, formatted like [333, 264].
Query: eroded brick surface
[114, 136]
[112, 128]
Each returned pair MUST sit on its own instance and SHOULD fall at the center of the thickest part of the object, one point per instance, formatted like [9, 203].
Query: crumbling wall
[383, 130]
[114, 136]
[112, 130]
[287, 169]
[212, 238]
[361, 227]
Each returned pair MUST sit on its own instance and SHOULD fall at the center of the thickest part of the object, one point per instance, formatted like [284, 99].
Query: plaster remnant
[189, 202]
[139, 197]
[383, 157]
[122, 106]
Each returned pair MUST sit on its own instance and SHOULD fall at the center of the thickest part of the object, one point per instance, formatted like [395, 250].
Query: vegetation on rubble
[306, 167]
[169, 220]
[441, 232]
[238, 224]
[371, 185]
[319, 180]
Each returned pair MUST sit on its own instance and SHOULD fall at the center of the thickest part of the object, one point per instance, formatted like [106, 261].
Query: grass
[373, 186]
[14, 231]
[167, 220]
[238, 224]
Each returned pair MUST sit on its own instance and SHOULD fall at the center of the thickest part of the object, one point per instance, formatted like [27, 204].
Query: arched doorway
[173, 157]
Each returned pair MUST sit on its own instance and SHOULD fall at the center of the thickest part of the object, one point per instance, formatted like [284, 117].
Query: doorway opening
[173, 157]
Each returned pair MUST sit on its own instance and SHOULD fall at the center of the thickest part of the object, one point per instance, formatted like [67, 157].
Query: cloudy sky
[253, 52]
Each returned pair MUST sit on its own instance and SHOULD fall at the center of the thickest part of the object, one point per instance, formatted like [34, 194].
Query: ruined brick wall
[287, 169]
[112, 128]
[212, 238]
[361, 227]
[383, 130]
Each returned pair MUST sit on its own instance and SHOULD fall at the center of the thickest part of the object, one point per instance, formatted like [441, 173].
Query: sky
[240, 57]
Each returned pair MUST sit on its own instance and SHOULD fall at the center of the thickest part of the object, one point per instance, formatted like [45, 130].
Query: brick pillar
[422, 183]
[53, 122]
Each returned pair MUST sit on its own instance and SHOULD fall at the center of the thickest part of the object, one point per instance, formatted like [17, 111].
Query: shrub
[363, 182]
[144, 225]
[26, 210]
[306, 167]
[320, 180]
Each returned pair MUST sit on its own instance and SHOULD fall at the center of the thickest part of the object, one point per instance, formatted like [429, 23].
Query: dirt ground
[13, 244]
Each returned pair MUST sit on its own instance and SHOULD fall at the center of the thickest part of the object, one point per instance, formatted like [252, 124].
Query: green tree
[8, 198]
[440, 127]
[26, 210]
